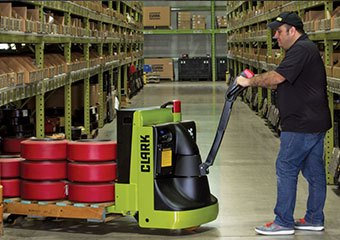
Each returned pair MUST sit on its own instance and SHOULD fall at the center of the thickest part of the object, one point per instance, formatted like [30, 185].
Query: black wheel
[192, 229]
[13, 219]
[136, 216]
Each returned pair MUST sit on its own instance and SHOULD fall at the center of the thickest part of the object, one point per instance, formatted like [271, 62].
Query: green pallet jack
[162, 181]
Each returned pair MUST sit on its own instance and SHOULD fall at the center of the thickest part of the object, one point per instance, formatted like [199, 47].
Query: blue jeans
[300, 152]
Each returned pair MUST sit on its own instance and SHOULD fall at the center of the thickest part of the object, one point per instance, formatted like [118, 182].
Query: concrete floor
[243, 177]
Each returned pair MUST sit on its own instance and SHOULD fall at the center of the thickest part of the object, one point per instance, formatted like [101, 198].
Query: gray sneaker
[301, 224]
[272, 228]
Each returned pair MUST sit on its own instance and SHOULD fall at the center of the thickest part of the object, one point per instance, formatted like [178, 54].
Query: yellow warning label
[166, 158]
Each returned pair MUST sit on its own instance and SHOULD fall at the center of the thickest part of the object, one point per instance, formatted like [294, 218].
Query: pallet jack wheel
[44, 149]
[192, 229]
[87, 150]
[14, 219]
[136, 216]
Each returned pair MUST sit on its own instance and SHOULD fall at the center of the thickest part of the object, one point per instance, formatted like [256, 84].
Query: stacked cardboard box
[198, 22]
[334, 69]
[161, 66]
[269, 5]
[312, 20]
[156, 17]
[6, 9]
[221, 21]
[54, 64]
[184, 20]
[335, 19]
[15, 18]
[18, 70]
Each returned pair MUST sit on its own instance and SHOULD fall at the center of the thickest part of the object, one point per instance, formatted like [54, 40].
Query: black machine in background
[194, 69]
[221, 68]
[200, 68]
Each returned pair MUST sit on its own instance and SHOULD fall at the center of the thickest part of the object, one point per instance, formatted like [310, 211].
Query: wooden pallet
[152, 78]
[1, 212]
[60, 209]
[1, 220]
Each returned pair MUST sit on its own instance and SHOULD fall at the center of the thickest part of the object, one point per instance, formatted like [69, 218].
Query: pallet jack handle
[176, 105]
[232, 92]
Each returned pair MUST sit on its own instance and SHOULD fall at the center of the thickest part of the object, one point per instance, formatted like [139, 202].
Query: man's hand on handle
[242, 81]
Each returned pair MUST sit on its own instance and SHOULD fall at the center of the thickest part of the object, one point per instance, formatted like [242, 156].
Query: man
[300, 80]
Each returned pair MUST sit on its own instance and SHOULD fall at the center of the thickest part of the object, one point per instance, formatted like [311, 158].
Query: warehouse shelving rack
[121, 37]
[212, 31]
[241, 53]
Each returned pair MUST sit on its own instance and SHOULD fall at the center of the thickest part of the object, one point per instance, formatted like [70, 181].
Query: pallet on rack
[60, 209]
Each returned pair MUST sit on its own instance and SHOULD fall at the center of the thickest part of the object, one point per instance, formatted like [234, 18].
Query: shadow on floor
[82, 226]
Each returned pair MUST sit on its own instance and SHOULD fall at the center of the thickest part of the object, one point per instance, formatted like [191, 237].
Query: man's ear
[293, 29]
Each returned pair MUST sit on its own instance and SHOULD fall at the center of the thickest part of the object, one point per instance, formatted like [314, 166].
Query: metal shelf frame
[123, 41]
[76, 9]
[212, 31]
[327, 37]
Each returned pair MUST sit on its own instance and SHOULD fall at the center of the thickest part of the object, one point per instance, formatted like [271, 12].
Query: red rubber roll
[12, 145]
[43, 170]
[104, 192]
[10, 166]
[43, 191]
[11, 187]
[92, 150]
[91, 172]
[44, 149]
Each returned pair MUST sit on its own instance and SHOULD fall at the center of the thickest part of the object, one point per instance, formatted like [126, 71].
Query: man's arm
[268, 80]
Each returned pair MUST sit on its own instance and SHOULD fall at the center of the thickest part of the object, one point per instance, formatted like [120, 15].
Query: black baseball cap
[290, 18]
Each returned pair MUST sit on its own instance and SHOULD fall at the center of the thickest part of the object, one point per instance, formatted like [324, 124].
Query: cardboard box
[335, 22]
[94, 96]
[335, 64]
[156, 16]
[56, 99]
[184, 16]
[11, 79]
[3, 79]
[77, 97]
[184, 25]
[184, 20]
[198, 24]
[162, 66]
[6, 9]
[59, 20]
[19, 12]
[336, 71]
[33, 14]
[314, 15]
[18, 68]
[329, 71]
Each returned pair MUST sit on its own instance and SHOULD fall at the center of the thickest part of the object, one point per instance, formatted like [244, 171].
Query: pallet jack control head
[234, 89]
[176, 105]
